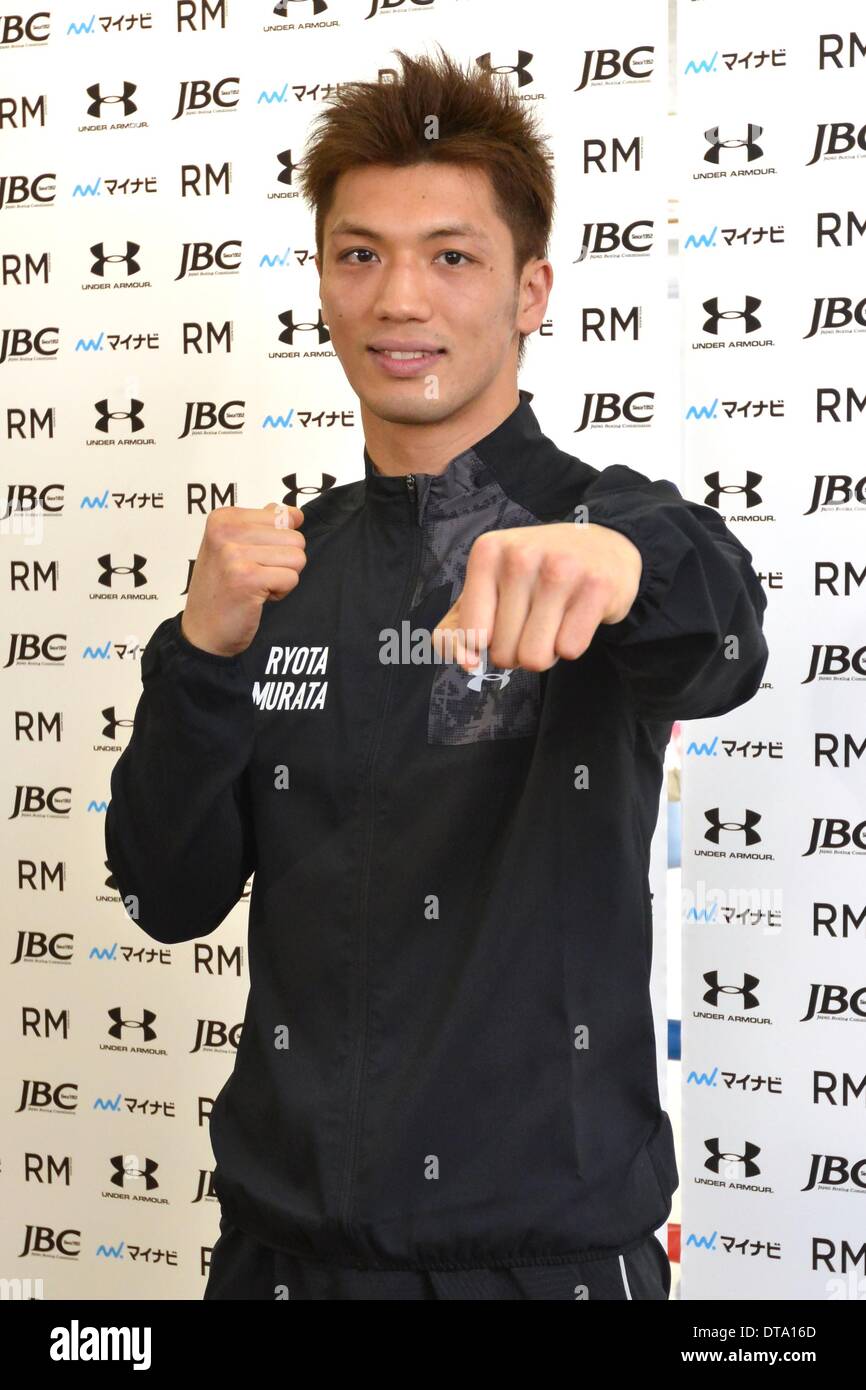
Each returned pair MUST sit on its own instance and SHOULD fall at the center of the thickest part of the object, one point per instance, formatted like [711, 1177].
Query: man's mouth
[406, 356]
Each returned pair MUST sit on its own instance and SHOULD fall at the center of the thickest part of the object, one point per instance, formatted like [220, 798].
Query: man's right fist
[247, 555]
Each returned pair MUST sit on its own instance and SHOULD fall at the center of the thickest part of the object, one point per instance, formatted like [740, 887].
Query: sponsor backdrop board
[162, 354]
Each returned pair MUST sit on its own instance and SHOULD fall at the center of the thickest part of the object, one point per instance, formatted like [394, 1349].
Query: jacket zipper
[356, 1109]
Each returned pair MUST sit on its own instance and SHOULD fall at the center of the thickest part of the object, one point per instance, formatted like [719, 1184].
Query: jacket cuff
[662, 549]
[168, 640]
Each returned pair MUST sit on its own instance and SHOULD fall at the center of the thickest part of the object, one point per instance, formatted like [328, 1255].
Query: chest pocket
[472, 707]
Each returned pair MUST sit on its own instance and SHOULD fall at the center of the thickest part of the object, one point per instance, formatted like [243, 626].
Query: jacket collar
[525, 464]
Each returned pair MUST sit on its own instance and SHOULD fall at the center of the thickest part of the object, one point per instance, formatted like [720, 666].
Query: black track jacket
[447, 1057]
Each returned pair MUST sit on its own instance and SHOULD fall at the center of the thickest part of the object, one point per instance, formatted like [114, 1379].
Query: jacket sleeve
[178, 827]
[697, 591]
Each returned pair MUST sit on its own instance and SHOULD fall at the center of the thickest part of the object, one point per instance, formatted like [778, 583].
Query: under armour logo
[108, 569]
[133, 415]
[98, 101]
[132, 265]
[291, 328]
[289, 166]
[113, 724]
[521, 67]
[748, 826]
[280, 9]
[293, 492]
[753, 497]
[751, 322]
[753, 150]
[147, 1016]
[479, 676]
[125, 1166]
[750, 1169]
[746, 989]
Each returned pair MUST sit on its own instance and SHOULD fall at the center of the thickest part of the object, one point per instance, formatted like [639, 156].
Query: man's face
[397, 270]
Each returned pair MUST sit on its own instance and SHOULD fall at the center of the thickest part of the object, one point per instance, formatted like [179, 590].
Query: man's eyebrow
[347, 228]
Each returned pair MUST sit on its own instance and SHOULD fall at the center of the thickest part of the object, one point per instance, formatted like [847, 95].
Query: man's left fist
[535, 593]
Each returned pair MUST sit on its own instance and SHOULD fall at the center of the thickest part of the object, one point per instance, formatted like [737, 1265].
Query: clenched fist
[247, 555]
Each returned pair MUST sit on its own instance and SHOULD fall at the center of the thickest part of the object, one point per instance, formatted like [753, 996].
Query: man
[446, 1081]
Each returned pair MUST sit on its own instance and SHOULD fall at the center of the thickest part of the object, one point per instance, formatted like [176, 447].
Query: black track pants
[241, 1268]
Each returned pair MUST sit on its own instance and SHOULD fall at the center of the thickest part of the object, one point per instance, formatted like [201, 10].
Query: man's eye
[365, 251]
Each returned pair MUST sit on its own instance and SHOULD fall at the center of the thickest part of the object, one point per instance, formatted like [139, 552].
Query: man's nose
[403, 291]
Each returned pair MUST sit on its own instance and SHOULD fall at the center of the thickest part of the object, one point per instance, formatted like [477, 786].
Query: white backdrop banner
[162, 354]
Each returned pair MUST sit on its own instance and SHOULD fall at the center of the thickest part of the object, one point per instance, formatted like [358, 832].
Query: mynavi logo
[702, 1078]
[836, 836]
[836, 1002]
[699, 1242]
[614, 240]
[609, 67]
[836, 1173]
[117, 1343]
